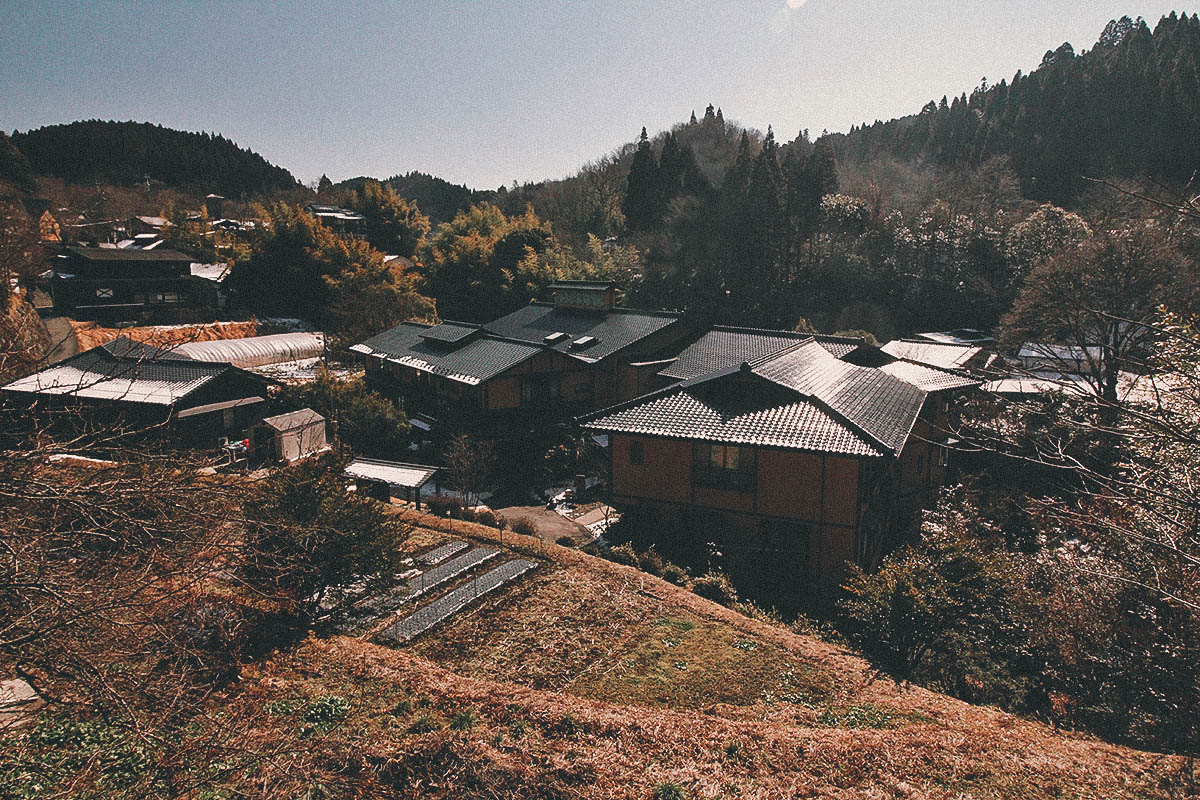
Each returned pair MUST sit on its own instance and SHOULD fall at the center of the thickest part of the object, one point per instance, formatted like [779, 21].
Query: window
[637, 453]
[539, 391]
[104, 293]
[721, 466]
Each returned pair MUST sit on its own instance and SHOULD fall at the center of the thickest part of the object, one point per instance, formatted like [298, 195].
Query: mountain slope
[1130, 106]
[127, 153]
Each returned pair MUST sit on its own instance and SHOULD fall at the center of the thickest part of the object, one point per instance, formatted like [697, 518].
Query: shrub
[523, 526]
[675, 574]
[651, 562]
[669, 791]
[717, 587]
[441, 505]
[565, 541]
[623, 554]
[485, 516]
[468, 514]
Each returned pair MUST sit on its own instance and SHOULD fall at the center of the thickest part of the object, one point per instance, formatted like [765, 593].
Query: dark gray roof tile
[614, 330]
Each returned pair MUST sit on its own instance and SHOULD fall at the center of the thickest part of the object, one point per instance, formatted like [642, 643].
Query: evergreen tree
[642, 190]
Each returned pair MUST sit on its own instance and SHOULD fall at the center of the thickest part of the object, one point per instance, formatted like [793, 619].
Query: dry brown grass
[91, 334]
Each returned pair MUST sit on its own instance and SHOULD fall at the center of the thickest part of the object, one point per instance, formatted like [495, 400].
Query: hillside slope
[127, 153]
[589, 679]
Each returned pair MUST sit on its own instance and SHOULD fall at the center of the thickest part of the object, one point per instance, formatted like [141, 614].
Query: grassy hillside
[588, 679]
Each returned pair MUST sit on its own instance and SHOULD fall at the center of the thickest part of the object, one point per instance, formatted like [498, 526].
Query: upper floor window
[722, 466]
[637, 453]
[539, 391]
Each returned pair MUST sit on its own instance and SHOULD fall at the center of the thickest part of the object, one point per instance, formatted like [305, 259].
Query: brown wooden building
[544, 362]
[795, 461]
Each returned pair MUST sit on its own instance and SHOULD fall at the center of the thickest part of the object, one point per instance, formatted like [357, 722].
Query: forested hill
[439, 199]
[1129, 106]
[125, 153]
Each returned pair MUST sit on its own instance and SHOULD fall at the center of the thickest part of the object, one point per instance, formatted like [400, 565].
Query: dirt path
[549, 525]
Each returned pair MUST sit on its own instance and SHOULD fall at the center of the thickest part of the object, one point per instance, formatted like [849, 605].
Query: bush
[523, 526]
[675, 574]
[565, 541]
[623, 554]
[468, 514]
[486, 516]
[441, 505]
[717, 587]
[423, 724]
[651, 562]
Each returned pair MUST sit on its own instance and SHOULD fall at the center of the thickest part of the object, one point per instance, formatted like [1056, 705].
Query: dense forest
[126, 153]
[1129, 106]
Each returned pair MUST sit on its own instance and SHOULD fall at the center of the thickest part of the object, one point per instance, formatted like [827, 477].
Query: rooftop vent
[553, 338]
[583, 341]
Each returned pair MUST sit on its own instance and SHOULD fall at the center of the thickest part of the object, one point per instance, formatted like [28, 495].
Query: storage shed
[381, 479]
[291, 436]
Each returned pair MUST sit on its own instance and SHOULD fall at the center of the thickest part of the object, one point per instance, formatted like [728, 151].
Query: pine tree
[642, 192]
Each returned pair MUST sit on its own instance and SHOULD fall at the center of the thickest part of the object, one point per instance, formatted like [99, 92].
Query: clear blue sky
[484, 93]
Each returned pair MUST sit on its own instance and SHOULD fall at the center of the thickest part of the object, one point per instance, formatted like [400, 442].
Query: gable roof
[613, 330]
[98, 374]
[935, 354]
[926, 378]
[129, 254]
[812, 401]
[478, 360]
[723, 346]
[293, 420]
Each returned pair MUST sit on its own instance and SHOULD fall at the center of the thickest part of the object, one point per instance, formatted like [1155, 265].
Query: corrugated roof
[98, 376]
[395, 473]
[255, 351]
[935, 354]
[293, 419]
[690, 412]
[614, 330]
[473, 363]
[928, 379]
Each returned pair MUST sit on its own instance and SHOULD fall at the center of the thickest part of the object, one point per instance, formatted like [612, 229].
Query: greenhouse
[256, 351]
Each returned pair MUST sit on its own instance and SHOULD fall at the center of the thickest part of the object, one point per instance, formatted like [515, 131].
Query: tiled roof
[684, 412]
[293, 419]
[928, 379]
[804, 398]
[114, 254]
[614, 330]
[450, 332]
[96, 374]
[876, 403]
[725, 346]
[935, 354]
[472, 363]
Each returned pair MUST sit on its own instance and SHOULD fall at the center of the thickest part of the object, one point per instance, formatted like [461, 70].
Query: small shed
[291, 436]
[382, 478]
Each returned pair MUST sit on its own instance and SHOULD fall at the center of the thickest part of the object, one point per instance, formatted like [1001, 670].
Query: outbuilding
[290, 437]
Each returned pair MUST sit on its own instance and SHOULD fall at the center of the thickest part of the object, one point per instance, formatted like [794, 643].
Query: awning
[196, 411]
[393, 473]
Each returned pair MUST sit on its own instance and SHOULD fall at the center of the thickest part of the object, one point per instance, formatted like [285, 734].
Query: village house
[339, 220]
[941, 354]
[793, 460]
[543, 362]
[110, 284]
[135, 385]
